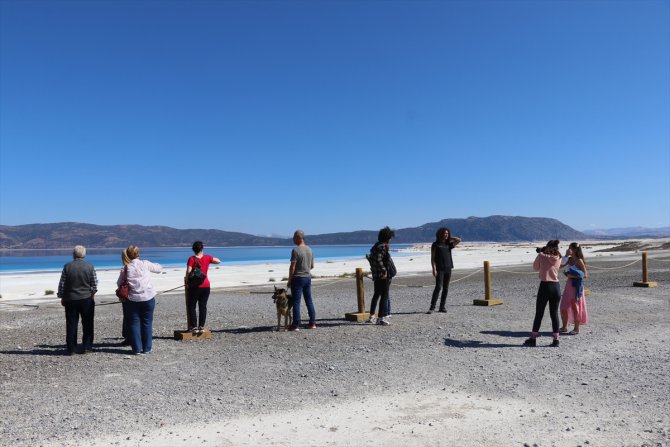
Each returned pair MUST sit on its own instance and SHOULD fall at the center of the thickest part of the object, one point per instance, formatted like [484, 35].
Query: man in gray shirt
[300, 280]
[76, 289]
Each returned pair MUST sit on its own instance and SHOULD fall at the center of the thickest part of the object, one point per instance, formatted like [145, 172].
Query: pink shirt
[547, 266]
[139, 280]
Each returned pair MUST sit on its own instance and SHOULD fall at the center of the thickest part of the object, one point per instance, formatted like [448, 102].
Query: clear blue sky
[266, 116]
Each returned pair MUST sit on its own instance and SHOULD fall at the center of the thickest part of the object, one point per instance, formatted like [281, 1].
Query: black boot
[531, 342]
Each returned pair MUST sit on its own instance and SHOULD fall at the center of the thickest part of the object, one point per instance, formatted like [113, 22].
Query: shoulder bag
[123, 290]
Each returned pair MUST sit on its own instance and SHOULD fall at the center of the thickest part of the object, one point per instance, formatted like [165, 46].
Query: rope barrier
[465, 277]
[516, 273]
[21, 305]
[612, 268]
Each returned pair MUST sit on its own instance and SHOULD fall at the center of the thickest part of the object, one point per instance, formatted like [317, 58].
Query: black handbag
[390, 267]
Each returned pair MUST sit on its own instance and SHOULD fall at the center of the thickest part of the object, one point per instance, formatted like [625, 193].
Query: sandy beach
[30, 288]
[460, 378]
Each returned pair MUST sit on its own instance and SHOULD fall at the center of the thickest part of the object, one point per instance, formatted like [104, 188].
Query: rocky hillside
[489, 229]
[68, 234]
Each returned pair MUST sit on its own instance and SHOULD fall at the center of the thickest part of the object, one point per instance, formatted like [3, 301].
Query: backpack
[196, 276]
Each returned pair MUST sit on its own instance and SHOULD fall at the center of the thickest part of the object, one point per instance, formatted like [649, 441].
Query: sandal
[562, 331]
[573, 333]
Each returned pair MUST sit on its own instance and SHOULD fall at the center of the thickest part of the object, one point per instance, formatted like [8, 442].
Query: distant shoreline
[32, 286]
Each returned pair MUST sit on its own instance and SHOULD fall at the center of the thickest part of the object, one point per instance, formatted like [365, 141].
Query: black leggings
[548, 292]
[441, 285]
[197, 296]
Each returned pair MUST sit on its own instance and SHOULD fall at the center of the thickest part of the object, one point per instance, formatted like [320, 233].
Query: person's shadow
[450, 342]
[516, 335]
[61, 350]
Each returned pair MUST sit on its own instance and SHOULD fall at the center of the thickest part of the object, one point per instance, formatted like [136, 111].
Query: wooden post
[487, 301]
[361, 315]
[645, 274]
[188, 335]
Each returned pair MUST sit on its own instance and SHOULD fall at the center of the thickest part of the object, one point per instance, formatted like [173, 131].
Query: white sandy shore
[32, 287]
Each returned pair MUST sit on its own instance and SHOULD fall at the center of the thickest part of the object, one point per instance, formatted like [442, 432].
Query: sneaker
[554, 344]
[293, 328]
[443, 310]
[531, 342]
[383, 322]
[193, 330]
[430, 311]
[200, 330]
[311, 326]
[372, 319]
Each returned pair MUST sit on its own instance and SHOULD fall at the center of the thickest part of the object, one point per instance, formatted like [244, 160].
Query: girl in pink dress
[573, 308]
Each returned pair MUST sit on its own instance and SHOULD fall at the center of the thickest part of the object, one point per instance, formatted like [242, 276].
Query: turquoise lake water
[104, 258]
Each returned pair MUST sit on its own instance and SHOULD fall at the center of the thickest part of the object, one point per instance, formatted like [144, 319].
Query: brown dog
[284, 305]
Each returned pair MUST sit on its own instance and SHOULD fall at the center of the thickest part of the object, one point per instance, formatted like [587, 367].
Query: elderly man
[77, 287]
[300, 280]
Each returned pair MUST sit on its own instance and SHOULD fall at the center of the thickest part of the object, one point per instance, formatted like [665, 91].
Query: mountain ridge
[67, 234]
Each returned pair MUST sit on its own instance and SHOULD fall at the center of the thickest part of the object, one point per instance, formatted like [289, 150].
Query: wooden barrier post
[487, 301]
[188, 335]
[361, 315]
[645, 274]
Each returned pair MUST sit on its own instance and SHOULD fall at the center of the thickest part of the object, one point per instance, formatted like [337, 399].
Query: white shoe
[372, 319]
[383, 321]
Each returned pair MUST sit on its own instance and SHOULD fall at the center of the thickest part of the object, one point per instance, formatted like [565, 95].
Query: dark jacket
[77, 281]
[380, 262]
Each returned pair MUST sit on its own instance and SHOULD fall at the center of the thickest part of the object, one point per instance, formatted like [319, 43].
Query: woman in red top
[198, 295]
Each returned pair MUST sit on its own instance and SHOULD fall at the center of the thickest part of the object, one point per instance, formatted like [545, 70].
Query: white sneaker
[372, 319]
[383, 321]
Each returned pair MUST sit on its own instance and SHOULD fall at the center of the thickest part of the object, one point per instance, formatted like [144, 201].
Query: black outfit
[549, 292]
[443, 265]
[78, 284]
[73, 310]
[197, 296]
[383, 270]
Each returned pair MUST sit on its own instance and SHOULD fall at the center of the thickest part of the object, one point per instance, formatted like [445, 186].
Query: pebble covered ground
[607, 386]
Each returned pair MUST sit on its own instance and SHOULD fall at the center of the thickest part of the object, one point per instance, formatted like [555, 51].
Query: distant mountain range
[68, 234]
[624, 233]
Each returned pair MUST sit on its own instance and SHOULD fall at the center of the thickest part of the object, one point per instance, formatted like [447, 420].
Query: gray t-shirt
[302, 256]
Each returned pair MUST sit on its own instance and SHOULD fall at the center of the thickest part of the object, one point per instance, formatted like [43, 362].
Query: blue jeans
[302, 285]
[382, 287]
[140, 323]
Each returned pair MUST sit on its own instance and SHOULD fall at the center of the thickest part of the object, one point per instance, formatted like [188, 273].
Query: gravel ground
[608, 386]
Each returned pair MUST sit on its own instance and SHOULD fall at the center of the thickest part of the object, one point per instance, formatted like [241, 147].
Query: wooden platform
[491, 302]
[357, 316]
[187, 335]
[645, 284]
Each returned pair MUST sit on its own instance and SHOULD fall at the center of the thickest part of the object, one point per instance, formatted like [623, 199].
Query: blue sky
[263, 117]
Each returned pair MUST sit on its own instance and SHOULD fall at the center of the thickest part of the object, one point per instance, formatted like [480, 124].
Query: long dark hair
[552, 248]
[385, 235]
[577, 250]
[439, 234]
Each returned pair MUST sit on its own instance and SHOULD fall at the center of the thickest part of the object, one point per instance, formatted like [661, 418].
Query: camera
[540, 249]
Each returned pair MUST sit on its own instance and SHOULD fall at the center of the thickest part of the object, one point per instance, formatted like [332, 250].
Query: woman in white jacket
[138, 310]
